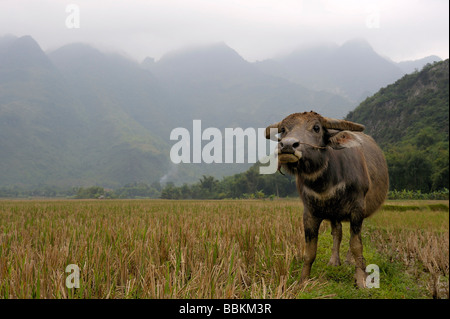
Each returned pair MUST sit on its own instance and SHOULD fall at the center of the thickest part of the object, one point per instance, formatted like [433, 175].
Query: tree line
[249, 184]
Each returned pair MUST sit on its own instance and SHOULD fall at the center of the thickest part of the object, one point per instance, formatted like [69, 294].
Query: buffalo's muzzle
[287, 150]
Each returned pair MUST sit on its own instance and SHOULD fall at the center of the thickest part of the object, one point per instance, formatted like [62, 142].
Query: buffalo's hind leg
[336, 232]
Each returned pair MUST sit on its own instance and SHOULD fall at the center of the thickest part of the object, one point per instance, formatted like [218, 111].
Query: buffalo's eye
[316, 128]
[282, 130]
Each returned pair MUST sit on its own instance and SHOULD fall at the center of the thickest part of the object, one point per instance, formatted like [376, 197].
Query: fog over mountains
[353, 70]
[77, 116]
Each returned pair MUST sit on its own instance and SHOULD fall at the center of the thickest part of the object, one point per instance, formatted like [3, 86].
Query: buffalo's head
[302, 137]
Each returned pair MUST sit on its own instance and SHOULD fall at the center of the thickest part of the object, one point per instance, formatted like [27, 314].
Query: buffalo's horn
[341, 125]
[276, 125]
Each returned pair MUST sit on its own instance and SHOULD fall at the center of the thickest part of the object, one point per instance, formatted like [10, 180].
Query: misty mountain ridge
[353, 70]
[417, 65]
[57, 131]
[78, 116]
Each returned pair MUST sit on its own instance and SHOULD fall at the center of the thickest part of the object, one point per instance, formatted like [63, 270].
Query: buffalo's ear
[344, 139]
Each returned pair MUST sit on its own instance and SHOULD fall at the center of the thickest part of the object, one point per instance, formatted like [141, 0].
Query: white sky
[256, 29]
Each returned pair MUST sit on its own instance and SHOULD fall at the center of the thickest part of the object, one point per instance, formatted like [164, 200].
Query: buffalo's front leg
[311, 226]
[336, 232]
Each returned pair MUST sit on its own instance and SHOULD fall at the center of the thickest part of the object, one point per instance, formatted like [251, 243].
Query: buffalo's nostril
[289, 144]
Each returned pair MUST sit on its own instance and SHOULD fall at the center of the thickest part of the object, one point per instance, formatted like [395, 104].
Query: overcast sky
[256, 29]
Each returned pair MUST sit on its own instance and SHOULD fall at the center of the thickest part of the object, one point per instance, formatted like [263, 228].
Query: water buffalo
[341, 175]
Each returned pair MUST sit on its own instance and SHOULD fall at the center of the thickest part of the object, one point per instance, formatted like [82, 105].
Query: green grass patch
[398, 208]
[438, 207]
[404, 208]
[338, 281]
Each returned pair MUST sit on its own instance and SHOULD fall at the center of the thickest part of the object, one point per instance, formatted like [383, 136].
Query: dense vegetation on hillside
[410, 120]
